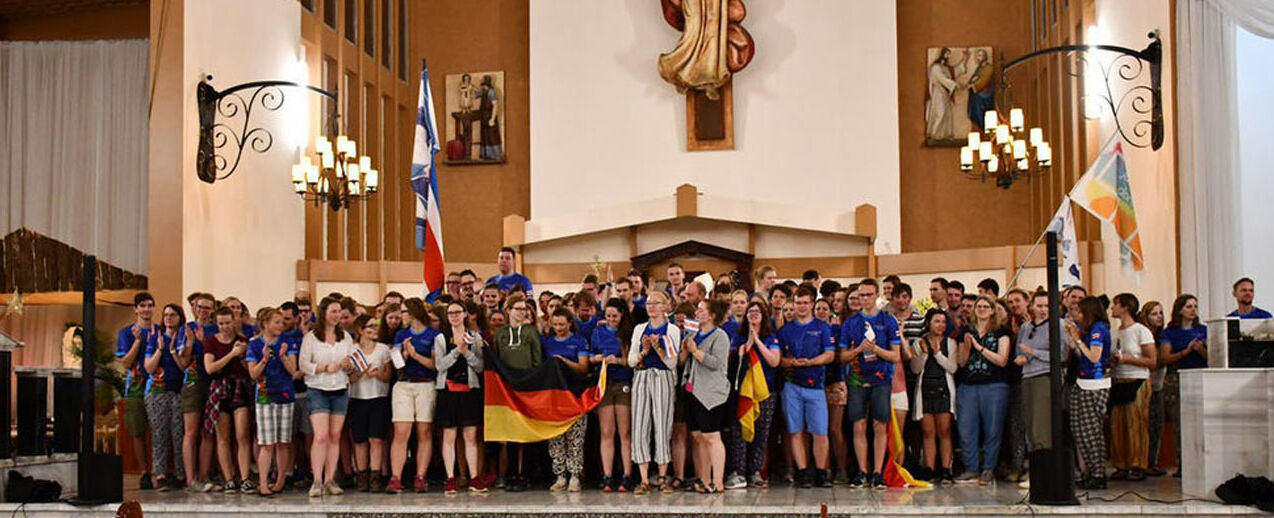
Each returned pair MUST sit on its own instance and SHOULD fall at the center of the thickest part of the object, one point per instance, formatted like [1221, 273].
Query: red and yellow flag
[753, 389]
[537, 404]
[896, 475]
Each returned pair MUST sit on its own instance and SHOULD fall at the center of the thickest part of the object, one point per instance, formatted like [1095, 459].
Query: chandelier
[1005, 152]
[339, 176]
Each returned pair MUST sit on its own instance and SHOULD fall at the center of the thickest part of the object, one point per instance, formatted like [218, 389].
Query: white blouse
[315, 352]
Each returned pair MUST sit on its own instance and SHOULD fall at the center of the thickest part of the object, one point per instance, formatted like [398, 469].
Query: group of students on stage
[841, 362]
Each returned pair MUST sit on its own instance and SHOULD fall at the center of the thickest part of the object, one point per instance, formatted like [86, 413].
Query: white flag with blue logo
[1063, 224]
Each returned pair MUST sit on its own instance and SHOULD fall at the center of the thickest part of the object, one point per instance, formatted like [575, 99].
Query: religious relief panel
[713, 46]
[961, 89]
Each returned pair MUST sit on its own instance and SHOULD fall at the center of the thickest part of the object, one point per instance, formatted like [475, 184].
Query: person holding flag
[758, 348]
[609, 349]
[369, 406]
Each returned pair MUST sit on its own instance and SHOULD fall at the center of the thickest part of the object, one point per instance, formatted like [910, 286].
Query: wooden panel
[406, 198]
[354, 230]
[687, 201]
[390, 179]
[727, 120]
[375, 149]
[109, 22]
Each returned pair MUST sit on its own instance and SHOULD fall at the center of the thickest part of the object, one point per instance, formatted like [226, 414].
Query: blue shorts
[335, 402]
[805, 409]
[877, 397]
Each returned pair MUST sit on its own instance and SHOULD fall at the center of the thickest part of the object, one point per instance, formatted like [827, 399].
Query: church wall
[815, 113]
[108, 22]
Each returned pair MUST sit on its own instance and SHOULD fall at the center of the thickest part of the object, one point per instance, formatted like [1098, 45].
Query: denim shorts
[805, 409]
[875, 398]
[335, 402]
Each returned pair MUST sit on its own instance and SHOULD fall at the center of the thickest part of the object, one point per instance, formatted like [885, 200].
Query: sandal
[713, 489]
[676, 483]
[265, 492]
[699, 487]
[666, 488]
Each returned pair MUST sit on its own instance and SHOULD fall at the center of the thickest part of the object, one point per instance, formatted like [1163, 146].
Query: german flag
[895, 475]
[533, 405]
[752, 391]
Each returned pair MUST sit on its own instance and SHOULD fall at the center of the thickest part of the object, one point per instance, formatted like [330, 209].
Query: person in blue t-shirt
[637, 283]
[508, 279]
[808, 344]
[163, 396]
[874, 353]
[586, 315]
[653, 350]
[197, 446]
[567, 449]
[130, 348]
[609, 349]
[412, 398]
[272, 363]
[1090, 343]
[1183, 344]
[1244, 294]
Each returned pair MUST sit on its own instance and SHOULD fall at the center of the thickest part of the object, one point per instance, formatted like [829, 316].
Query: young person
[637, 281]
[935, 368]
[229, 395]
[1032, 356]
[586, 314]
[708, 387]
[163, 397]
[982, 396]
[196, 445]
[808, 344]
[938, 293]
[653, 354]
[1183, 345]
[748, 458]
[567, 450]
[413, 397]
[130, 349]
[609, 349]
[625, 291]
[369, 408]
[676, 276]
[1244, 294]
[837, 393]
[296, 456]
[272, 363]
[458, 353]
[871, 343]
[766, 278]
[1151, 316]
[324, 359]
[1133, 358]
[1090, 342]
[518, 346]
[508, 278]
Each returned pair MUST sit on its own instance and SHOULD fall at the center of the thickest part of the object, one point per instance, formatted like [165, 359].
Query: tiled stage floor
[1000, 500]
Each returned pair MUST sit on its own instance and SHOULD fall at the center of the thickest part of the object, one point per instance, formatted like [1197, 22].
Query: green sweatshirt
[518, 347]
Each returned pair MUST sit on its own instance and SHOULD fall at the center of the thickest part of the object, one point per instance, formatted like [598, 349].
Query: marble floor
[999, 500]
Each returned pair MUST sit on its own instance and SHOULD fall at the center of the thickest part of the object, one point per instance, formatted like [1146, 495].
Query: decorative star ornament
[16, 306]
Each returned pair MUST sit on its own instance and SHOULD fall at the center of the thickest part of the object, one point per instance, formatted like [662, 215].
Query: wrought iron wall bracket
[1138, 124]
[222, 143]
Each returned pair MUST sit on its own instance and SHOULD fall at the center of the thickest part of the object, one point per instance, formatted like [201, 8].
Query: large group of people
[339, 395]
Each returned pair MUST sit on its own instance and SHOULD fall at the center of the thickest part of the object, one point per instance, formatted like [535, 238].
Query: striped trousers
[653, 399]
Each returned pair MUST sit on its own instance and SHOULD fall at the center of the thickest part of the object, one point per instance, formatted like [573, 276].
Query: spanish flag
[533, 405]
[752, 391]
[896, 475]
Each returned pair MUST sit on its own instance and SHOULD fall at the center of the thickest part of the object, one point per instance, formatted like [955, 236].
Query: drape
[73, 145]
[1208, 143]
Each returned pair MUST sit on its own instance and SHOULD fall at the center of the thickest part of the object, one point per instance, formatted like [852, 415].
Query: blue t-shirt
[275, 385]
[639, 301]
[571, 347]
[807, 340]
[135, 378]
[507, 282]
[1255, 313]
[170, 373]
[731, 328]
[249, 330]
[771, 373]
[652, 360]
[196, 371]
[586, 327]
[1179, 338]
[871, 371]
[423, 343]
[1099, 336]
[293, 339]
[606, 342]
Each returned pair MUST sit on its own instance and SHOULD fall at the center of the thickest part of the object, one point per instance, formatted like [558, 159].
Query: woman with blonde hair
[653, 355]
[983, 394]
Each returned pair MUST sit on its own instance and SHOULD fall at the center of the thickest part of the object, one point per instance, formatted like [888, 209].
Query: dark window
[329, 13]
[403, 51]
[351, 21]
[308, 5]
[386, 36]
[369, 27]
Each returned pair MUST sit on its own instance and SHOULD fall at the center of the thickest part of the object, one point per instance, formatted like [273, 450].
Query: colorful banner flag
[895, 475]
[359, 360]
[753, 389]
[424, 181]
[1064, 225]
[1105, 192]
[537, 404]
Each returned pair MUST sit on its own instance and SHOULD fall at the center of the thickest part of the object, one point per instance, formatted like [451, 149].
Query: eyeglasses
[518, 308]
[373, 328]
[449, 313]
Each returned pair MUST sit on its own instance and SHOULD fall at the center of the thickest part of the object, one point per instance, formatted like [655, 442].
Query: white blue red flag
[424, 181]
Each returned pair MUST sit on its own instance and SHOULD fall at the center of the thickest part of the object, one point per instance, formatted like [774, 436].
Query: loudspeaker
[33, 392]
[1052, 484]
[66, 414]
[6, 398]
[101, 478]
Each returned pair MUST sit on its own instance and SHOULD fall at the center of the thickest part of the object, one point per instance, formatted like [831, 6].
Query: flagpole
[1022, 265]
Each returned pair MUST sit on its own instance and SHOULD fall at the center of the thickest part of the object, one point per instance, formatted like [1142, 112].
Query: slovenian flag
[536, 404]
[752, 391]
[424, 181]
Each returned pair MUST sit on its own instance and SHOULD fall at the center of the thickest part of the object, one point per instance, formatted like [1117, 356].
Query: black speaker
[101, 478]
[33, 396]
[1052, 484]
[6, 398]
[66, 414]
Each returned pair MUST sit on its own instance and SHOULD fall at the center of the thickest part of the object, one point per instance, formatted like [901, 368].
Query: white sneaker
[574, 485]
[316, 491]
[736, 481]
[1024, 484]
[559, 485]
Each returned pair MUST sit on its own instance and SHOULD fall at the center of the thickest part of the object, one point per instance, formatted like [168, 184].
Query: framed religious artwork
[960, 84]
[474, 111]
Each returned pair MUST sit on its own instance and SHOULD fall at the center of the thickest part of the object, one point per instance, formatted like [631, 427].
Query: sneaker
[478, 486]
[559, 485]
[316, 491]
[362, 481]
[395, 486]
[177, 483]
[499, 482]
[248, 486]
[231, 487]
[573, 486]
[377, 483]
[968, 477]
[1025, 483]
[145, 482]
[758, 481]
[1119, 474]
[859, 480]
[162, 485]
[803, 478]
[1136, 475]
[877, 481]
[420, 485]
[450, 489]
[986, 478]
[301, 481]
[332, 488]
[842, 478]
[209, 486]
[822, 479]
[736, 481]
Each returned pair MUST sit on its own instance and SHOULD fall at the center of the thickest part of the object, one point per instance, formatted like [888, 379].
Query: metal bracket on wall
[221, 145]
[1137, 110]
